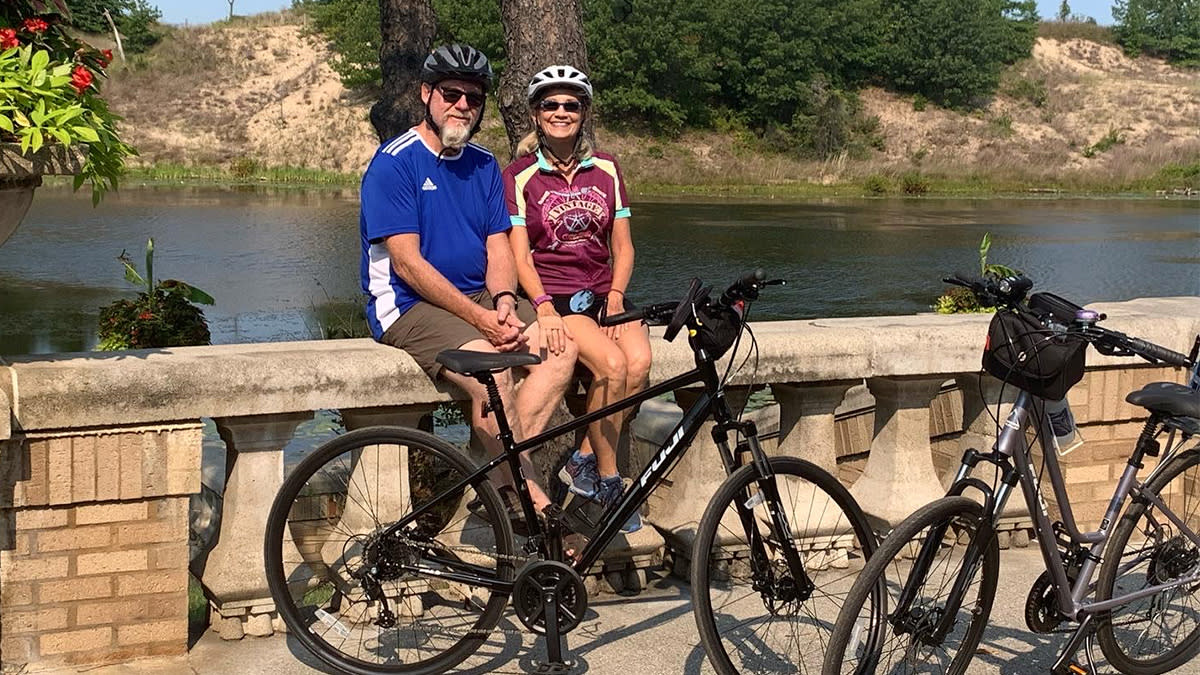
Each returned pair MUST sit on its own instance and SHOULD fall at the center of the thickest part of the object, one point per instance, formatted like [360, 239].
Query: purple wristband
[540, 299]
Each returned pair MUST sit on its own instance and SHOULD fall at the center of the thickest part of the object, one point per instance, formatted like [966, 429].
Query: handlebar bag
[1026, 354]
[717, 330]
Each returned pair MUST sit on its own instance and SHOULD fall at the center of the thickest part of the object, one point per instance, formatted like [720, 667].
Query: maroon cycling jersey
[569, 225]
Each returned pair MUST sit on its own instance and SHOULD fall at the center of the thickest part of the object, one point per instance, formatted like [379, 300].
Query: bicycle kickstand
[1083, 636]
[556, 642]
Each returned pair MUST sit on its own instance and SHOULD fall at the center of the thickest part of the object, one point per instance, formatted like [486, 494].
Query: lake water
[275, 258]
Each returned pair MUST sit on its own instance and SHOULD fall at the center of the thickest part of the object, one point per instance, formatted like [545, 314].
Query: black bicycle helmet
[457, 61]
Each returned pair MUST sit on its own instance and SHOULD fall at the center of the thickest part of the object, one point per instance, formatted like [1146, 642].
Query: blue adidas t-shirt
[454, 203]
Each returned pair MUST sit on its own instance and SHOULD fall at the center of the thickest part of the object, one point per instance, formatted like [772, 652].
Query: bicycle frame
[1010, 448]
[711, 403]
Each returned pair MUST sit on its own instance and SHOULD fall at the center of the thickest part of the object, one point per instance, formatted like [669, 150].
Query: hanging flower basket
[52, 117]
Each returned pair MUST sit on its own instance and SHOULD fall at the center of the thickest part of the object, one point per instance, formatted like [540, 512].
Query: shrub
[1027, 89]
[959, 300]
[913, 183]
[877, 184]
[1113, 137]
[160, 316]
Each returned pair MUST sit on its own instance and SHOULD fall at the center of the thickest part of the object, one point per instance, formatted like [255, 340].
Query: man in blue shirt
[437, 267]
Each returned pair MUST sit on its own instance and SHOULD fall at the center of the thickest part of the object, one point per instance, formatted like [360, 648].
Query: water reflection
[281, 262]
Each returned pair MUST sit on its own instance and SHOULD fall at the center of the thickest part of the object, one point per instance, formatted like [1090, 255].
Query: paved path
[650, 634]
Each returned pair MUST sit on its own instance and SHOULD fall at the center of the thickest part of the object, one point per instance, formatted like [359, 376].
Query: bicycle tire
[966, 519]
[336, 503]
[725, 613]
[1160, 556]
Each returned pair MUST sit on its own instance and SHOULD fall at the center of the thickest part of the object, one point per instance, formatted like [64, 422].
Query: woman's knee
[612, 368]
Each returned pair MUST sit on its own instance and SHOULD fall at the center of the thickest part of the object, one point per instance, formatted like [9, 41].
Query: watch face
[582, 300]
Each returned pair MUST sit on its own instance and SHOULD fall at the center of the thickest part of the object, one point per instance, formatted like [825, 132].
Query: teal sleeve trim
[519, 221]
[621, 213]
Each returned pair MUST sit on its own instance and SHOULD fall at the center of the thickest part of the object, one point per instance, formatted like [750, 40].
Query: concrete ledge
[149, 386]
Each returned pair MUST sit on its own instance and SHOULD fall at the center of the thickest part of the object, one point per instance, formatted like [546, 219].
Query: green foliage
[913, 183]
[49, 94]
[1113, 137]
[952, 51]
[1000, 126]
[877, 184]
[352, 29]
[162, 315]
[1179, 175]
[959, 300]
[1168, 29]
[137, 21]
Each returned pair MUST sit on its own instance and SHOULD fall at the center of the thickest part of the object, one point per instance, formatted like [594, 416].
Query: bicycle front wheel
[753, 616]
[366, 597]
[1159, 632]
[946, 545]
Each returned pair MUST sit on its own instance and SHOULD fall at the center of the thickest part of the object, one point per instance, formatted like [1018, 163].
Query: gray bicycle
[923, 600]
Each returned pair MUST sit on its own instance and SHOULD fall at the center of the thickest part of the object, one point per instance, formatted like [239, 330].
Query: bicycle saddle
[467, 362]
[1167, 397]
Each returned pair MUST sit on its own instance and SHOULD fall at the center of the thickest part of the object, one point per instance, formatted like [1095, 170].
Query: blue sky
[207, 11]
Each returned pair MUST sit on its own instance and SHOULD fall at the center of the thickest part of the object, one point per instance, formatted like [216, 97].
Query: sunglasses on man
[451, 96]
[546, 105]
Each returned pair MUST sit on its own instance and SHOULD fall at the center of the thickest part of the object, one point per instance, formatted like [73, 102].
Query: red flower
[35, 25]
[81, 78]
[145, 316]
[8, 38]
[105, 57]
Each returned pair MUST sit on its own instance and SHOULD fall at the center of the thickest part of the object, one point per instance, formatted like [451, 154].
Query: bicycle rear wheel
[752, 615]
[347, 589]
[1160, 632]
[957, 530]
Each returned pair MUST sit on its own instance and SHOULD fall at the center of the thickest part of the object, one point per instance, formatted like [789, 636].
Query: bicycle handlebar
[671, 313]
[1010, 291]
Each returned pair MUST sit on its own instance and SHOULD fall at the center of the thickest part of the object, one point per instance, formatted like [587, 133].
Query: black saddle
[470, 363]
[1167, 398]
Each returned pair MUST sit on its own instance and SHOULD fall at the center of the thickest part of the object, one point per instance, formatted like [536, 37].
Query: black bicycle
[405, 556]
[940, 566]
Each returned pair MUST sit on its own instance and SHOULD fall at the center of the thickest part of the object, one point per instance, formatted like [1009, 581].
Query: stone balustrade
[100, 454]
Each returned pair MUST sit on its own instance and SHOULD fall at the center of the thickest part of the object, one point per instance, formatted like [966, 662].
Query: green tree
[1168, 29]
[352, 29]
[1064, 11]
[952, 51]
[137, 21]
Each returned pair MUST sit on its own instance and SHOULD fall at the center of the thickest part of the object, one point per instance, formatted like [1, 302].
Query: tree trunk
[408, 28]
[537, 33]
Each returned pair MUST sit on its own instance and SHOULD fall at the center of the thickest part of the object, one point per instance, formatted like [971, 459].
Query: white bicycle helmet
[559, 76]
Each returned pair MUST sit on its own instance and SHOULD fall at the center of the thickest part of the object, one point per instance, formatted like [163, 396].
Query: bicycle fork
[766, 582]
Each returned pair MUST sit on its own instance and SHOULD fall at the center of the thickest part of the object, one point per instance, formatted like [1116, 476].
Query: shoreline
[874, 187]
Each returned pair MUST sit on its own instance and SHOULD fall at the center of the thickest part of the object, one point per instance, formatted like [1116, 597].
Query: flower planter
[20, 175]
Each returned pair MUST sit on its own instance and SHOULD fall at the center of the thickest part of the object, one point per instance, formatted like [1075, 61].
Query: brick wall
[95, 544]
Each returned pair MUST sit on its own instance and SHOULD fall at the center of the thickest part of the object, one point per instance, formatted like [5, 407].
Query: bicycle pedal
[1076, 669]
[550, 668]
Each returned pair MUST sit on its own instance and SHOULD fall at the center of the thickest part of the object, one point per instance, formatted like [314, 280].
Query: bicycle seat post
[495, 405]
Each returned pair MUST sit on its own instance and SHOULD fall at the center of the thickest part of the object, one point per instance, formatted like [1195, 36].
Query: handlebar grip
[1151, 350]
[624, 317]
[744, 288]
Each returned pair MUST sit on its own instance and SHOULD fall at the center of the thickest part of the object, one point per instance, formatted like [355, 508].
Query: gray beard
[454, 137]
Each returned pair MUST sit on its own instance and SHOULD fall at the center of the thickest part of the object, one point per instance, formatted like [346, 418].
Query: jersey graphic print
[573, 217]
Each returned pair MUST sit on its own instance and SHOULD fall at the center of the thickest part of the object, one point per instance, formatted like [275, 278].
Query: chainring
[1041, 606]
[549, 575]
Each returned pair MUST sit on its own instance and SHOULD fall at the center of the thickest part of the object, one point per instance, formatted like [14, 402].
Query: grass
[240, 173]
[197, 610]
[1076, 30]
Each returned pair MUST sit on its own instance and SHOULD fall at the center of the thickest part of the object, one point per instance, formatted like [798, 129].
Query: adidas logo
[428, 185]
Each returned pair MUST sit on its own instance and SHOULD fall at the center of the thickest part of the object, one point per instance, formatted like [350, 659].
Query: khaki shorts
[426, 330]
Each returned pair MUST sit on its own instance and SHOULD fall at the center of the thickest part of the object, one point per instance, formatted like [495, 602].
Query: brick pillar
[95, 523]
[234, 575]
[899, 477]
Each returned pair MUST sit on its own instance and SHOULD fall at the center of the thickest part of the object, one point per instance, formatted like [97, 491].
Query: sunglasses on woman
[546, 105]
[451, 96]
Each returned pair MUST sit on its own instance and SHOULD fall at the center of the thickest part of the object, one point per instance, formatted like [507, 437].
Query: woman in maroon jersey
[570, 217]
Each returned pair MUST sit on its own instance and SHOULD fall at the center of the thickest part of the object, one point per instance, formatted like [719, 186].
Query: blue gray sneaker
[581, 475]
[611, 489]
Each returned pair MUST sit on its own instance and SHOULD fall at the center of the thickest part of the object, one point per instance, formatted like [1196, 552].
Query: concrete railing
[100, 454]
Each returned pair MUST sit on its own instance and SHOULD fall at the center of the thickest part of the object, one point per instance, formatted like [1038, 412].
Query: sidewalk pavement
[649, 634]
